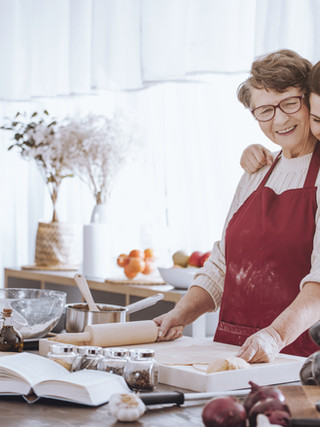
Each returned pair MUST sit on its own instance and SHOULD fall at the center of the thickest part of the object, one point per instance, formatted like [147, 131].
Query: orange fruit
[149, 267]
[136, 253]
[122, 260]
[149, 253]
[130, 274]
[136, 265]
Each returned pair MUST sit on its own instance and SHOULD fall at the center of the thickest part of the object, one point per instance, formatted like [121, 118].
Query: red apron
[268, 246]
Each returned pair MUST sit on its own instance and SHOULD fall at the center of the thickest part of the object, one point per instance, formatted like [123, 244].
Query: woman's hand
[254, 157]
[263, 346]
[196, 302]
[170, 327]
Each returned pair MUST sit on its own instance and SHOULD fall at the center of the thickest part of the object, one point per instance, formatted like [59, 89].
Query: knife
[178, 398]
[304, 422]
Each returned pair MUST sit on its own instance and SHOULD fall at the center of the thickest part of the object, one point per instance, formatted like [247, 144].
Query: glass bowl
[35, 312]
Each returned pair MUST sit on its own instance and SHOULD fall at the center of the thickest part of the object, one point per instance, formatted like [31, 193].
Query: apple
[204, 258]
[194, 259]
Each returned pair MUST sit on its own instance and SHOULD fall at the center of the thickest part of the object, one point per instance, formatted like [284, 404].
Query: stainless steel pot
[78, 315]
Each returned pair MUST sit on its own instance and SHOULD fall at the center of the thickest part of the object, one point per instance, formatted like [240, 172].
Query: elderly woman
[265, 273]
[255, 156]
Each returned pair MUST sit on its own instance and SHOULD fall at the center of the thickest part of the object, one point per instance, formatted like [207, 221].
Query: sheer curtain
[177, 64]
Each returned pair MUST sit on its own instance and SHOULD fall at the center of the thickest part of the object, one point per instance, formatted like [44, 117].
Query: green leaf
[46, 112]
[34, 114]
[18, 114]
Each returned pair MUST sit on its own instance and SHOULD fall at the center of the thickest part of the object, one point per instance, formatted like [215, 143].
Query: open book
[34, 376]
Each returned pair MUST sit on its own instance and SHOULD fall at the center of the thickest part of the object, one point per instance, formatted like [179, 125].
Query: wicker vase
[56, 246]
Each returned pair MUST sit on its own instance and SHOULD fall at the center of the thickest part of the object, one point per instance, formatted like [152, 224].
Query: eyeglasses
[290, 105]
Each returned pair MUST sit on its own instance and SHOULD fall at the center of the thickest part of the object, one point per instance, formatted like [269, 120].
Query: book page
[26, 369]
[88, 387]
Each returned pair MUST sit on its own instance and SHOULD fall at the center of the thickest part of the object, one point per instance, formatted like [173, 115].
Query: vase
[56, 246]
[99, 214]
[96, 244]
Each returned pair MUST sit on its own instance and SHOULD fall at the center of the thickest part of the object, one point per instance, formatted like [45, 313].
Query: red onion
[258, 393]
[224, 412]
[279, 417]
[267, 407]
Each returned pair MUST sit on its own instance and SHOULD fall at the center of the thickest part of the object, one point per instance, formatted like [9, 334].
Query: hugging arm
[254, 157]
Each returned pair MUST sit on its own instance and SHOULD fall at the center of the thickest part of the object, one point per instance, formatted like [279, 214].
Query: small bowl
[178, 277]
[35, 312]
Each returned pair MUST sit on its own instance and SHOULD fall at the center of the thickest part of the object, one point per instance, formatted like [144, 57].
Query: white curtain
[177, 64]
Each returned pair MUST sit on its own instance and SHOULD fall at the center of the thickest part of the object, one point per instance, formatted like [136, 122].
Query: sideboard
[119, 294]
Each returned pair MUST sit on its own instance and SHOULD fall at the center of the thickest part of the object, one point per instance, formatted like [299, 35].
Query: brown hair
[314, 79]
[275, 71]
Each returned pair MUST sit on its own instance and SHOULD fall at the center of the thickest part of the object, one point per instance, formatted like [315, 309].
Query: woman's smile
[287, 131]
[290, 131]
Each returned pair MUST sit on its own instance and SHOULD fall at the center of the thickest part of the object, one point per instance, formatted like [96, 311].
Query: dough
[225, 364]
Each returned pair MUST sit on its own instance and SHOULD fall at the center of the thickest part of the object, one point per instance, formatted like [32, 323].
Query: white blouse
[287, 174]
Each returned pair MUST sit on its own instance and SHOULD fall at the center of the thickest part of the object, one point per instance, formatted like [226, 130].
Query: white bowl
[178, 277]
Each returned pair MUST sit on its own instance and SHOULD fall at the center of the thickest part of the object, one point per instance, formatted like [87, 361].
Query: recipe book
[34, 376]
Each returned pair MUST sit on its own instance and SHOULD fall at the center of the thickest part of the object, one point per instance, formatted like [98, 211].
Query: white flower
[41, 139]
[103, 144]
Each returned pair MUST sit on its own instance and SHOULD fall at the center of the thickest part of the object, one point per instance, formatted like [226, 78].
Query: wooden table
[15, 412]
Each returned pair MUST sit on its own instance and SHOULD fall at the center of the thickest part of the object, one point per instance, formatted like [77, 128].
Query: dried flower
[102, 144]
[40, 138]
[94, 147]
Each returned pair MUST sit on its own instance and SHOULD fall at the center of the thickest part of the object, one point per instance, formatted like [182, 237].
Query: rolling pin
[113, 334]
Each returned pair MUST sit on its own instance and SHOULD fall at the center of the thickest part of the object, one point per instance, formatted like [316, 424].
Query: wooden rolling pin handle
[78, 338]
[113, 334]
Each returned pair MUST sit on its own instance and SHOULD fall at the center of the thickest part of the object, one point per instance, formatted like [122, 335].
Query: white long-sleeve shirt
[287, 174]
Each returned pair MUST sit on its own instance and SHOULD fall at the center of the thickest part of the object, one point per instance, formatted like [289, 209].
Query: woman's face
[314, 101]
[290, 131]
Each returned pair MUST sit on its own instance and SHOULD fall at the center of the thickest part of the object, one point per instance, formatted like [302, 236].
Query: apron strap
[313, 167]
[266, 177]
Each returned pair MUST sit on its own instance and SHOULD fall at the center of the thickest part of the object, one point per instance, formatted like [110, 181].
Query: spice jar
[91, 356]
[141, 370]
[63, 354]
[114, 360]
[10, 338]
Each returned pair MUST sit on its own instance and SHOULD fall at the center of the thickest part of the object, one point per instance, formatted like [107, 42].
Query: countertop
[16, 412]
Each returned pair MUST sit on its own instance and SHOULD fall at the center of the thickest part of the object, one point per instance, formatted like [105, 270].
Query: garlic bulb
[126, 407]
[263, 421]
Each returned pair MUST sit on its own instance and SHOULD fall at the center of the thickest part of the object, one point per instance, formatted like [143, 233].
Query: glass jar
[114, 360]
[90, 356]
[63, 354]
[141, 370]
[10, 337]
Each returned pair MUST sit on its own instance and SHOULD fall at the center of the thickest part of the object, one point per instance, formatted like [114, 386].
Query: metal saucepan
[78, 315]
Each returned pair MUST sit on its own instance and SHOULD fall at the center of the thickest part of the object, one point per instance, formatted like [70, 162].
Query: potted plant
[41, 139]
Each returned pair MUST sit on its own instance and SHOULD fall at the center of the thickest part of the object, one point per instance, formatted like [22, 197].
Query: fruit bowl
[178, 277]
[35, 312]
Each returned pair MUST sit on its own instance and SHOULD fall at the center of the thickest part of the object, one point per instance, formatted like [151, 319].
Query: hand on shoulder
[254, 157]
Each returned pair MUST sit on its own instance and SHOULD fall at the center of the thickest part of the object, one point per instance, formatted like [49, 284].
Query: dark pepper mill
[10, 338]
